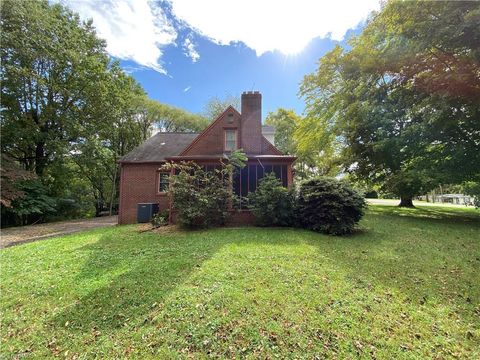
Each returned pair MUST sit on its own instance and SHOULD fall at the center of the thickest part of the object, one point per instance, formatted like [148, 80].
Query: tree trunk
[114, 190]
[98, 208]
[40, 158]
[406, 201]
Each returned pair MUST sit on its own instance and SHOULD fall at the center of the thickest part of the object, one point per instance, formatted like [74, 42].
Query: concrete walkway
[22, 234]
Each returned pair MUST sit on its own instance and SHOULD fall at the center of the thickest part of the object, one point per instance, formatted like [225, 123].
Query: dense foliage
[315, 152]
[403, 102]
[472, 188]
[202, 197]
[11, 175]
[160, 219]
[272, 204]
[68, 113]
[329, 206]
[285, 123]
[215, 106]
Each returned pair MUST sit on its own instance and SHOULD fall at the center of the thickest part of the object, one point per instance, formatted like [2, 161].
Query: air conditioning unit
[145, 212]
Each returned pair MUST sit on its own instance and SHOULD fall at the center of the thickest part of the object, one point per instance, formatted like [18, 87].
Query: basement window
[163, 181]
[230, 139]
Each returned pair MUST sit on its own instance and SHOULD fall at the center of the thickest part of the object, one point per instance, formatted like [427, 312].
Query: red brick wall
[248, 125]
[243, 217]
[212, 141]
[138, 184]
[252, 122]
[268, 148]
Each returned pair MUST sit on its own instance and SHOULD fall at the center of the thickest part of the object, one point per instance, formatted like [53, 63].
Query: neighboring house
[141, 180]
[269, 132]
[459, 199]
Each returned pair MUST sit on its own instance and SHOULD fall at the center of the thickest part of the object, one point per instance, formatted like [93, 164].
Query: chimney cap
[256, 92]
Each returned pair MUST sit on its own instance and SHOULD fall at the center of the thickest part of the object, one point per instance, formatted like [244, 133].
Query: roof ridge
[209, 127]
[176, 132]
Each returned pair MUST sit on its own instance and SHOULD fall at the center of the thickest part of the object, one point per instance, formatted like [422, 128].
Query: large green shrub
[271, 203]
[472, 188]
[329, 206]
[201, 197]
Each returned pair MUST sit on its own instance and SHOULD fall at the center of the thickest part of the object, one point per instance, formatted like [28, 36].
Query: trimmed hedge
[329, 206]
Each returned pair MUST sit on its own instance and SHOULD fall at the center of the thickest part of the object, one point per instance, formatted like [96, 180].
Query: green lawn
[407, 285]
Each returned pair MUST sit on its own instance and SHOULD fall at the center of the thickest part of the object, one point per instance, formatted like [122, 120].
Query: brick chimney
[252, 122]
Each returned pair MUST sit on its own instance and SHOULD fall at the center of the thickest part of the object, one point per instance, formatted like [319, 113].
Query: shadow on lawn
[136, 274]
[130, 274]
[444, 215]
[424, 254]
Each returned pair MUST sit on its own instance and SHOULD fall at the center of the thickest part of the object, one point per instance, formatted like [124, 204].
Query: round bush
[329, 206]
[271, 204]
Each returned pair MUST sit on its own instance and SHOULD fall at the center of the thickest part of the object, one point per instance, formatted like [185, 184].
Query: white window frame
[235, 139]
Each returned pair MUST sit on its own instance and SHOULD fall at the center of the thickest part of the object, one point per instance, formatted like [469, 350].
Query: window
[230, 139]
[163, 181]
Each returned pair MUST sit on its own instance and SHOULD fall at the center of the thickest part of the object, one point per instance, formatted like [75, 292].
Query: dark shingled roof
[159, 147]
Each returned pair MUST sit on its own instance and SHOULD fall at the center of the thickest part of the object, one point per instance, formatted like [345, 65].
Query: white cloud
[187, 89]
[190, 50]
[283, 25]
[134, 29]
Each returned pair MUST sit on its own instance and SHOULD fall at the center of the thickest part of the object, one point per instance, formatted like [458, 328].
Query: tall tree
[316, 148]
[315, 152]
[171, 119]
[52, 66]
[11, 175]
[404, 101]
[67, 110]
[215, 106]
[285, 123]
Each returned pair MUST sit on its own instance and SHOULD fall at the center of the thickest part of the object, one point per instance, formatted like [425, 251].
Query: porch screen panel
[268, 169]
[277, 170]
[284, 176]
[252, 178]
[236, 183]
[247, 179]
[244, 182]
[260, 173]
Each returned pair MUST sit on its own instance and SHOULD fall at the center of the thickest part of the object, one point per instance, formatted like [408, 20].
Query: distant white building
[459, 199]
[269, 132]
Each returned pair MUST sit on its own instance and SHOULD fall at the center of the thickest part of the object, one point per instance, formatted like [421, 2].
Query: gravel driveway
[23, 234]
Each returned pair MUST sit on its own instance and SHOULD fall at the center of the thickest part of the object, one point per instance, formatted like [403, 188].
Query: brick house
[142, 182]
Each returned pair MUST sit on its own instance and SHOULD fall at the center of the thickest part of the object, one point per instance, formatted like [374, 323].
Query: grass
[405, 286]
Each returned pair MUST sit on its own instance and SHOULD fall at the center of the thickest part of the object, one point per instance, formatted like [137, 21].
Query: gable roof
[159, 147]
[267, 146]
[209, 127]
[164, 146]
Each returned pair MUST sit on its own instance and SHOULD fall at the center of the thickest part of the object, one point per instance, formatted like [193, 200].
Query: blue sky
[183, 52]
